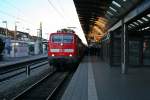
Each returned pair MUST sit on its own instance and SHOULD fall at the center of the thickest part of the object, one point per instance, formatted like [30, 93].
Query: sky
[27, 15]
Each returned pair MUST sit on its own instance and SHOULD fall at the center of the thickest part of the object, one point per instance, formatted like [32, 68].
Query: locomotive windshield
[62, 38]
[57, 38]
[68, 39]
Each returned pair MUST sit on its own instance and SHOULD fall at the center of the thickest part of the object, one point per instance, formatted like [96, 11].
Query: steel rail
[7, 70]
[18, 73]
[48, 78]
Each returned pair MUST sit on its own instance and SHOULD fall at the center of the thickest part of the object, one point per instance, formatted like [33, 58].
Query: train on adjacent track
[65, 49]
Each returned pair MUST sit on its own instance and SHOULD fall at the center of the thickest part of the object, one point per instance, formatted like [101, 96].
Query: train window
[68, 39]
[57, 38]
[61, 38]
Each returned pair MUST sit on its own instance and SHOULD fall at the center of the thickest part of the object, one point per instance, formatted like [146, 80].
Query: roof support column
[124, 48]
[111, 48]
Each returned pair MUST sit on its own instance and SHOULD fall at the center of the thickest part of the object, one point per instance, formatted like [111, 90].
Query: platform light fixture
[146, 28]
[145, 19]
[143, 29]
[113, 9]
[148, 15]
[132, 25]
[124, 0]
[109, 13]
[129, 26]
[135, 23]
[116, 4]
[140, 21]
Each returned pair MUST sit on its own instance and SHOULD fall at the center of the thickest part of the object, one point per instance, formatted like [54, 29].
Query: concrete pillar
[124, 49]
[111, 48]
[36, 48]
[141, 53]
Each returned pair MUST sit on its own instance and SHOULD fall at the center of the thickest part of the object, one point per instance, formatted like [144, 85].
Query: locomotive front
[62, 49]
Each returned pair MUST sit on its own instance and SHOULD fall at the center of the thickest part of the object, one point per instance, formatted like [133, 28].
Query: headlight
[70, 55]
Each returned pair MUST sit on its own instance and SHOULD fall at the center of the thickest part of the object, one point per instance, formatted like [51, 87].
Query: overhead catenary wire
[60, 14]
[55, 8]
[13, 16]
[16, 16]
[13, 6]
[18, 19]
[62, 9]
[18, 9]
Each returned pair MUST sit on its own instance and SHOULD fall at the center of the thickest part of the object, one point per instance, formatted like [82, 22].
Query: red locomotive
[65, 48]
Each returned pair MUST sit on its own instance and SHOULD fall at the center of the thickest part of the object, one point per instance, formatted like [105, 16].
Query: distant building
[2, 31]
[33, 38]
[23, 36]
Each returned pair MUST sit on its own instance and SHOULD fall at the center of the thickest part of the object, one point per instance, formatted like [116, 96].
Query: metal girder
[141, 8]
[132, 14]
[89, 11]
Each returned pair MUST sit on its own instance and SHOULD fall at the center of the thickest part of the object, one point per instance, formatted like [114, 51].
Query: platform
[13, 60]
[95, 80]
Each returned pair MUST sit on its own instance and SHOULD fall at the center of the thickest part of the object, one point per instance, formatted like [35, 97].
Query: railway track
[44, 89]
[11, 68]
[12, 72]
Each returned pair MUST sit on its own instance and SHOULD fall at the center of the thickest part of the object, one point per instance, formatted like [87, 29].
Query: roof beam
[137, 11]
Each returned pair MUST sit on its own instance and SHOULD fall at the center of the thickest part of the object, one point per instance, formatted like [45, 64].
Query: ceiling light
[132, 25]
[147, 27]
[148, 15]
[109, 13]
[143, 29]
[135, 23]
[124, 0]
[113, 9]
[129, 26]
[145, 19]
[140, 21]
[115, 3]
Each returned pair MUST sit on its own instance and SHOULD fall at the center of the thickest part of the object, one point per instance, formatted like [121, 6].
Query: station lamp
[148, 15]
[140, 21]
[116, 4]
[109, 13]
[135, 23]
[145, 19]
[113, 9]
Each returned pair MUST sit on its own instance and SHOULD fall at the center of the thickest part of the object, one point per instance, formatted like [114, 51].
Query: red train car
[65, 48]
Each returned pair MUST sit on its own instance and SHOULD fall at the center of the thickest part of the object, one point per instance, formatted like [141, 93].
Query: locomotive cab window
[68, 39]
[56, 38]
[61, 38]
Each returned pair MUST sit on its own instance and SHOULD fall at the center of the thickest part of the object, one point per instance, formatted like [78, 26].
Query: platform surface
[96, 80]
[13, 60]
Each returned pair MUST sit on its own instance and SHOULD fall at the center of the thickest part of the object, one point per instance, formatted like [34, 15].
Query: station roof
[92, 11]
